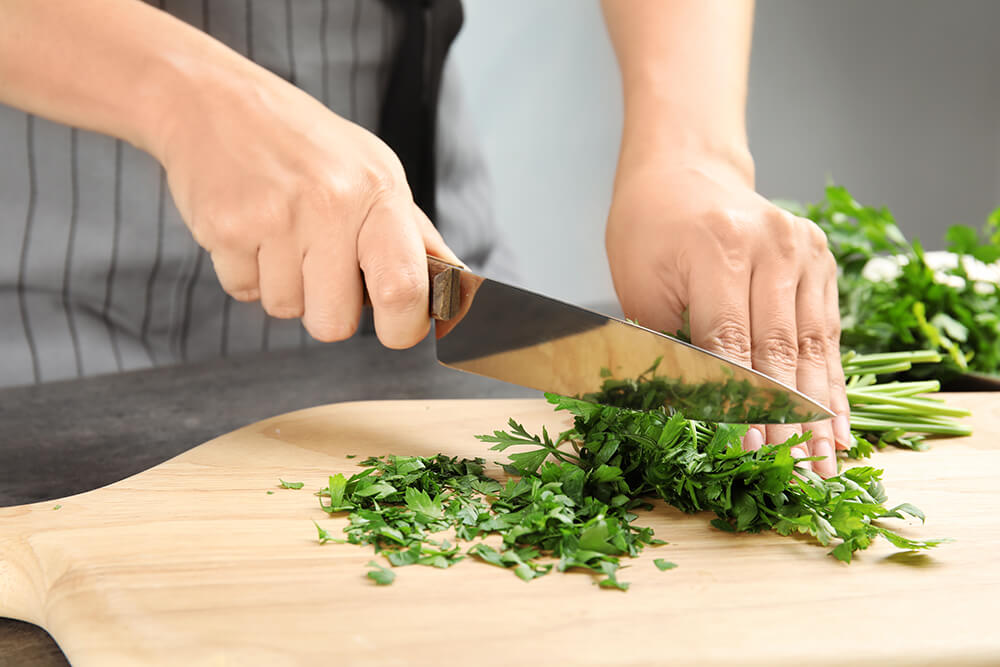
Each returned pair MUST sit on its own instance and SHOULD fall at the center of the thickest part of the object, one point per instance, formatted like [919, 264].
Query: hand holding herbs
[573, 501]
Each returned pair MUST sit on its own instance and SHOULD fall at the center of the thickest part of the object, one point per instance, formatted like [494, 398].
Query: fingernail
[753, 440]
[842, 430]
[828, 465]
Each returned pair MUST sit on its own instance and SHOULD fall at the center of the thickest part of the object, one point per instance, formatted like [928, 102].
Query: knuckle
[724, 225]
[382, 181]
[777, 350]
[812, 347]
[321, 195]
[782, 222]
[830, 266]
[273, 218]
[327, 194]
[214, 230]
[400, 290]
[783, 233]
[730, 239]
[816, 235]
[731, 340]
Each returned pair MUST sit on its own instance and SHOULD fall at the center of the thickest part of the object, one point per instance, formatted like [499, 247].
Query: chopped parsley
[573, 501]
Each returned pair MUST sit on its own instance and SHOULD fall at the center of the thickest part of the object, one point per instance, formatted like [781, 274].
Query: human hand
[295, 204]
[759, 284]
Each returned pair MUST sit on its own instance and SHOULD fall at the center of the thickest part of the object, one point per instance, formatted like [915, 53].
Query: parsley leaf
[380, 575]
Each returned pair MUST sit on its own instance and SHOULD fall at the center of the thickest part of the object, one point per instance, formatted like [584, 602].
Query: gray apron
[99, 274]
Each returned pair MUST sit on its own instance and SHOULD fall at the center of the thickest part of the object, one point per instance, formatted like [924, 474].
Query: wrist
[665, 129]
[177, 86]
[679, 153]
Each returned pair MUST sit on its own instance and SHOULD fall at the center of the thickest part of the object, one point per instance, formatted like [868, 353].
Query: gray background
[899, 100]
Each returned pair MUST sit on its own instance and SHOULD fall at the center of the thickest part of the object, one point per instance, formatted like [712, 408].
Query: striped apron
[99, 274]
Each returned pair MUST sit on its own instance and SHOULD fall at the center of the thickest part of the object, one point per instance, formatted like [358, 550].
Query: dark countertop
[67, 437]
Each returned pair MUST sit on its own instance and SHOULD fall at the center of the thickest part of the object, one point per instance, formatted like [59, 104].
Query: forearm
[684, 70]
[111, 66]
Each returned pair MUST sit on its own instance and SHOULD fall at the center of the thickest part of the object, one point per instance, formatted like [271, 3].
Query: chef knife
[489, 328]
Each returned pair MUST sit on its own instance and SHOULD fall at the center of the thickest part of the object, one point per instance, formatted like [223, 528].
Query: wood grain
[193, 562]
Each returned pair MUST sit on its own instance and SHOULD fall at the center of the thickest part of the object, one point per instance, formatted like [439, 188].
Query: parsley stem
[896, 412]
[882, 369]
[870, 424]
[906, 416]
[913, 357]
[907, 388]
[918, 406]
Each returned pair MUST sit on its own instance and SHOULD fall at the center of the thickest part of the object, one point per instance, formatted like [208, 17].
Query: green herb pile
[946, 309]
[572, 501]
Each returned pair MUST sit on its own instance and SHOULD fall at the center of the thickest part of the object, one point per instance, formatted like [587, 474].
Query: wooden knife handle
[445, 293]
[445, 289]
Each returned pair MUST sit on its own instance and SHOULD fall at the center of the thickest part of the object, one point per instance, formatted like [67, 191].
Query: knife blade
[489, 328]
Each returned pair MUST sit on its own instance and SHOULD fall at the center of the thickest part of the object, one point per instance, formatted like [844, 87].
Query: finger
[720, 321]
[773, 341]
[835, 369]
[719, 314]
[434, 244]
[668, 314]
[754, 439]
[634, 283]
[237, 273]
[392, 256]
[812, 377]
[280, 267]
[332, 289]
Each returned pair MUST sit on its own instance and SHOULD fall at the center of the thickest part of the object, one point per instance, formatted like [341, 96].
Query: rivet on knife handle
[445, 289]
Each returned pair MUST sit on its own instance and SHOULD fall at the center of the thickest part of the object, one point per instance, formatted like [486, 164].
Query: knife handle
[445, 293]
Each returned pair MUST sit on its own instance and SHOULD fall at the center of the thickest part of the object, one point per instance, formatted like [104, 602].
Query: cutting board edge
[21, 597]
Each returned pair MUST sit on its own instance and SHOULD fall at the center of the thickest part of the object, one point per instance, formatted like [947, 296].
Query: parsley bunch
[941, 308]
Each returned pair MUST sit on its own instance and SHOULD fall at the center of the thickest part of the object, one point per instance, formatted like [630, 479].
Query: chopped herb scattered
[57, 507]
[380, 575]
[270, 493]
[571, 501]
[350, 456]
[291, 485]
[663, 564]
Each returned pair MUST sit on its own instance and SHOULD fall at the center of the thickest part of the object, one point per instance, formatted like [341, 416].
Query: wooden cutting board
[194, 563]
